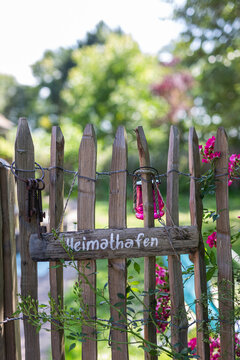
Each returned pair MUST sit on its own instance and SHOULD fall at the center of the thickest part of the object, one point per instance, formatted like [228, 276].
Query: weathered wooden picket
[116, 243]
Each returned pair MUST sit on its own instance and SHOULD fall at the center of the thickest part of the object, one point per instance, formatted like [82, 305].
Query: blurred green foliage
[106, 80]
[209, 47]
[110, 86]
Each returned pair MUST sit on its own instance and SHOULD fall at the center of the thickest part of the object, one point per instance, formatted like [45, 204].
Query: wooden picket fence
[43, 247]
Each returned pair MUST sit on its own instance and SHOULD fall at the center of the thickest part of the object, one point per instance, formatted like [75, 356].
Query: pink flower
[209, 155]
[163, 301]
[212, 240]
[215, 348]
[208, 151]
[237, 345]
[192, 344]
[233, 166]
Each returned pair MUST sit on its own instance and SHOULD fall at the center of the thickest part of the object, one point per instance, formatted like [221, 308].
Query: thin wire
[142, 321]
[107, 173]
[7, 320]
[13, 170]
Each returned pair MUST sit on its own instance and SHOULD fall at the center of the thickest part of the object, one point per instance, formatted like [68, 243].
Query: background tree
[110, 86]
[51, 73]
[17, 100]
[209, 46]
[42, 103]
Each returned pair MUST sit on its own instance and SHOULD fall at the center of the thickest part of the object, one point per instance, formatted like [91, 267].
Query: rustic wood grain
[185, 239]
[24, 159]
[149, 262]
[12, 329]
[86, 220]
[224, 256]
[117, 270]
[179, 322]
[56, 196]
[200, 282]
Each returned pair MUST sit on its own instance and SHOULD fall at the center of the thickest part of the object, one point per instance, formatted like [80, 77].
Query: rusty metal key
[30, 203]
[41, 214]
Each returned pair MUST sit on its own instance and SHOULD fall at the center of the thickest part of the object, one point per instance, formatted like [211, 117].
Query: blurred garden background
[107, 77]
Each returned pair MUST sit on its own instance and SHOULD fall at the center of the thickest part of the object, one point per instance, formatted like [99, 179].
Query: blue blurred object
[43, 267]
[189, 291]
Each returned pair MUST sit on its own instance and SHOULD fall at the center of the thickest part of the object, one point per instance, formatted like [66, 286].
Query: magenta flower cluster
[163, 306]
[215, 348]
[233, 165]
[208, 152]
[181, 81]
[212, 240]
[209, 155]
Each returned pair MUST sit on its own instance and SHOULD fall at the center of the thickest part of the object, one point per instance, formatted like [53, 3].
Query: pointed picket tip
[57, 135]
[89, 132]
[88, 152]
[221, 141]
[173, 149]
[191, 141]
[221, 130]
[194, 156]
[120, 140]
[174, 133]
[193, 135]
[221, 145]
[23, 140]
[142, 144]
[88, 149]
[88, 146]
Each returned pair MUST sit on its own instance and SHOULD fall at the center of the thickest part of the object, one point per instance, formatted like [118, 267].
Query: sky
[29, 27]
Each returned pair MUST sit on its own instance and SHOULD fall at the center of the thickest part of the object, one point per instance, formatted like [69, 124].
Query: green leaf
[135, 283]
[210, 273]
[128, 289]
[129, 262]
[144, 348]
[130, 309]
[206, 259]
[121, 296]
[119, 304]
[137, 267]
[72, 346]
[71, 337]
[135, 289]
[213, 258]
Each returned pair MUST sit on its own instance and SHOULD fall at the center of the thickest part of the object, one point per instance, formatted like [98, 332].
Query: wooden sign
[114, 243]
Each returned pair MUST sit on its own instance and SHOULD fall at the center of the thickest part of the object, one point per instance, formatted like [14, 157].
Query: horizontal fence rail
[114, 243]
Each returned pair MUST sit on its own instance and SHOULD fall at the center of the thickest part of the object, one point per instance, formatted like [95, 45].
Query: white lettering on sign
[111, 243]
